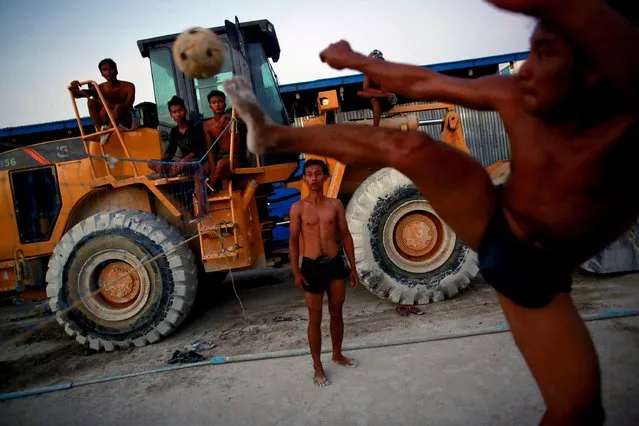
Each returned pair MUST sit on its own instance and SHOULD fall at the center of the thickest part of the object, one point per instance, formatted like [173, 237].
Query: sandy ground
[474, 373]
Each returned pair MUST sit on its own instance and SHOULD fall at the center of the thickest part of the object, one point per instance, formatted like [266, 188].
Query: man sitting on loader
[381, 100]
[119, 95]
[189, 137]
[218, 129]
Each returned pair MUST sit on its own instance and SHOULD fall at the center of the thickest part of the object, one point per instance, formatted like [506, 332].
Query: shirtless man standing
[381, 100]
[571, 116]
[219, 156]
[119, 95]
[318, 220]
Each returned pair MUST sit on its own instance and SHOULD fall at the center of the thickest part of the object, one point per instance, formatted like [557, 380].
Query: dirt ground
[276, 320]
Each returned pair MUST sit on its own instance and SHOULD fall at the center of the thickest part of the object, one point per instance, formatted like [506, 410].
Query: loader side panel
[106, 199]
[34, 194]
[36, 202]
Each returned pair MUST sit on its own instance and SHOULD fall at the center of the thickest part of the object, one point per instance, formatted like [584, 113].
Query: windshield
[205, 86]
[164, 85]
[265, 84]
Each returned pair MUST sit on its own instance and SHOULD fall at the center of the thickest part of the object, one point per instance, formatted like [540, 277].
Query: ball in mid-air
[198, 53]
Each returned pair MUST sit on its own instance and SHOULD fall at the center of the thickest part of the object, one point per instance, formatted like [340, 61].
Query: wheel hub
[119, 282]
[416, 235]
[115, 283]
[416, 239]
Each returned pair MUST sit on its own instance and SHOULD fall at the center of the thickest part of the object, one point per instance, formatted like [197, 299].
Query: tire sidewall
[378, 218]
[160, 281]
[370, 206]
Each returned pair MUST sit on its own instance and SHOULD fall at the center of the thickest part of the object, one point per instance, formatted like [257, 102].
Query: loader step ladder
[228, 248]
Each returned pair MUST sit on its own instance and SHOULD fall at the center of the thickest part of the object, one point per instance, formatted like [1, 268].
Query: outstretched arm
[604, 34]
[420, 83]
[347, 240]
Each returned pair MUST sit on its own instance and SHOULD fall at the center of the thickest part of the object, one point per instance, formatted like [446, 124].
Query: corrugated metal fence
[483, 130]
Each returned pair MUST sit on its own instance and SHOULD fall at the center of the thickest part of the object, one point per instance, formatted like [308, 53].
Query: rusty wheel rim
[119, 283]
[416, 239]
[417, 236]
[114, 285]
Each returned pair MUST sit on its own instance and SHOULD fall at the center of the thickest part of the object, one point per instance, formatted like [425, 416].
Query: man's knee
[315, 316]
[94, 105]
[335, 312]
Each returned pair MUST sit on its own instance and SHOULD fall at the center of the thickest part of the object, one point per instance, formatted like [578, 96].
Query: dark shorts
[237, 158]
[528, 276]
[319, 272]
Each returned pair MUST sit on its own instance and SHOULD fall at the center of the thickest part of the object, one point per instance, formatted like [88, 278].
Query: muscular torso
[576, 194]
[217, 126]
[319, 228]
[116, 94]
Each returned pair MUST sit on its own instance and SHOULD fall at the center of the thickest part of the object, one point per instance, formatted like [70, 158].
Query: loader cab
[248, 48]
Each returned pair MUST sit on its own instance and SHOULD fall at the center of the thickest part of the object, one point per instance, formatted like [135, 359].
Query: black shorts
[237, 158]
[319, 273]
[528, 276]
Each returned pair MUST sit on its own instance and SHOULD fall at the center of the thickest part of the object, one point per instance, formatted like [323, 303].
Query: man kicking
[572, 186]
[318, 220]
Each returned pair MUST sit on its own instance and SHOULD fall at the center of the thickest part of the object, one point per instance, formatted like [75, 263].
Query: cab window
[204, 87]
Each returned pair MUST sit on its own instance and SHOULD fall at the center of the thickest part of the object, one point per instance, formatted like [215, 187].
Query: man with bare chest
[119, 95]
[318, 220]
[571, 116]
[218, 131]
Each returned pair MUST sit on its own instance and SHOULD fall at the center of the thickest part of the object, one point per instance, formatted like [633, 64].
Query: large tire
[121, 278]
[403, 251]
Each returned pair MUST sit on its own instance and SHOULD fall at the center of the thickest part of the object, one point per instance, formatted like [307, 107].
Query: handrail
[98, 132]
[232, 153]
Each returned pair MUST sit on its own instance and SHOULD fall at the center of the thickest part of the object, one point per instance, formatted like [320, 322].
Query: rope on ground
[218, 234]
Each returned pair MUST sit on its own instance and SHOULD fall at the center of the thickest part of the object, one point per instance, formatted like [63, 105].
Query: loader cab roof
[261, 31]
[249, 48]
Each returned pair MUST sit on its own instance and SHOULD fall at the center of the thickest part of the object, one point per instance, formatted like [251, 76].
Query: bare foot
[239, 91]
[319, 379]
[347, 362]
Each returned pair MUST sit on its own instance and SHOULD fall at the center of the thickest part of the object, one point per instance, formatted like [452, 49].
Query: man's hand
[299, 280]
[75, 84]
[338, 55]
[354, 278]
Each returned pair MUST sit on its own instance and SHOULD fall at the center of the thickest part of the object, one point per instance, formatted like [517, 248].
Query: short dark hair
[217, 93]
[176, 101]
[107, 61]
[315, 162]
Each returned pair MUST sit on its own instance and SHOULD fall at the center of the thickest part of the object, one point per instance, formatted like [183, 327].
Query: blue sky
[47, 44]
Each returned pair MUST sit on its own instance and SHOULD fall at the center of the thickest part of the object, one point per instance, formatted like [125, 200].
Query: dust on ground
[276, 320]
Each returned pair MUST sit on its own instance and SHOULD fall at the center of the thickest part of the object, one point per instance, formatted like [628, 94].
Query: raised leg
[453, 182]
[561, 356]
[200, 190]
[336, 296]
[221, 171]
[314, 304]
[95, 108]
[122, 116]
